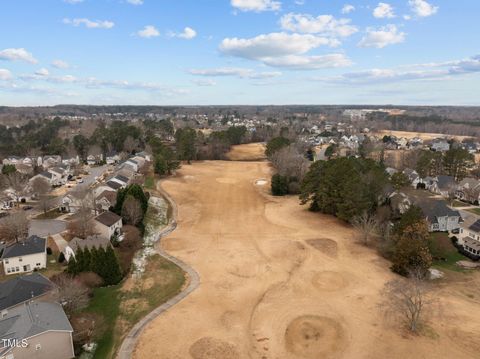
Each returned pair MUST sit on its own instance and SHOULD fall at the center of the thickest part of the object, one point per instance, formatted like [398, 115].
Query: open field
[423, 135]
[248, 152]
[279, 282]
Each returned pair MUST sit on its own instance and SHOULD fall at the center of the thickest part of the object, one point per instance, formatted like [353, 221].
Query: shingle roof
[32, 245]
[21, 289]
[121, 178]
[445, 181]
[90, 242]
[108, 218]
[475, 226]
[434, 209]
[114, 185]
[32, 319]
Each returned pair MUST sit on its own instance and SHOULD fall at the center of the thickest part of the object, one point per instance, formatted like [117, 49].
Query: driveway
[46, 227]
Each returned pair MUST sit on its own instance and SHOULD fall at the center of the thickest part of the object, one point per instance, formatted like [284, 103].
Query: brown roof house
[108, 224]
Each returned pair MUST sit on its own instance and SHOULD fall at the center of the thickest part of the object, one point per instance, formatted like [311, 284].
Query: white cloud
[148, 32]
[284, 50]
[299, 2]
[422, 8]
[430, 71]
[407, 17]
[256, 5]
[323, 24]
[383, 10]
[234, 71]
[5, 75]
[19, 54]
[273, 44]
[135, 2]
[204, 82]
[296, 62]
[73, 1]
[384, 36]
[347, 9]
[188, 33]
[42, 72]
[60, 64]
[91, 24]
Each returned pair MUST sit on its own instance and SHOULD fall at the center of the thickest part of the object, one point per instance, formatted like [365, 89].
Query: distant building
[439, 216]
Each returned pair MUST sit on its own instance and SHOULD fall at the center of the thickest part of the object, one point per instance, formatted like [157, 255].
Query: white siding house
[25, 256]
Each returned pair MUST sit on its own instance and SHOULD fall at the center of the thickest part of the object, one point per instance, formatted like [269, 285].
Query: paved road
[46, 227]
[128, 344]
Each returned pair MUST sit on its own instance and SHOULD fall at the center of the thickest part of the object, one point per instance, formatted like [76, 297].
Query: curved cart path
[129, 342]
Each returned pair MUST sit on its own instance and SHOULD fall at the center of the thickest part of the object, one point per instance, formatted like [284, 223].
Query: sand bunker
[261, 182]
[324, 245]
[226, 180]
[314, 337]
[212, 348]
[329, 281]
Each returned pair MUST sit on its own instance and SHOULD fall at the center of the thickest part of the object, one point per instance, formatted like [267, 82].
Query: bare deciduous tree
[132, 211]
[290, 162]
[367, 226]
[71, 293]
[14, 228]
[408, 299]
[82, 226]
[41, 187]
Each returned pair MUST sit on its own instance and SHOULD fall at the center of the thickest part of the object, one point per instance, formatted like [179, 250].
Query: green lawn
[149, 182]
[474, 211]
[161, 281]
[441, 246]
[458, 203]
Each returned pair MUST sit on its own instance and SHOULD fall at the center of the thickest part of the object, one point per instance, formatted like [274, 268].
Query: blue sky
[202, 52]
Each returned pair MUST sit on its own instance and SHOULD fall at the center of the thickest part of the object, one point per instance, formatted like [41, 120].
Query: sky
[234, 52]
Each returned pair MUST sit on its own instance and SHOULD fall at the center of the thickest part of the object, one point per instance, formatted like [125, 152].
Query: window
[6, 261]
[39, 264]
[17, 269]
[8, 270]
[20, 259]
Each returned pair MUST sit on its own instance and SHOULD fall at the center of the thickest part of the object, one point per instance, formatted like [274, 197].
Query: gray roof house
[439, 216]
[22, 289]
[469, 236]
[41, 330]
[440, 145]
[25, 256]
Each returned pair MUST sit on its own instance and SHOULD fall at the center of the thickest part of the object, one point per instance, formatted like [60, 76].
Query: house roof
[114, 185]
[434, 209]
[89, 242]
[21, 289]
[109, 195]
[475, 226]
[121, 178]
[445, 181]
[46, 174]
[32, 319]
[31, 245]
[108, 218]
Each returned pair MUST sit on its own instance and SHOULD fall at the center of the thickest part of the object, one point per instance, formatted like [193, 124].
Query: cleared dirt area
[423, 135]
[279, 282]
[248, 152]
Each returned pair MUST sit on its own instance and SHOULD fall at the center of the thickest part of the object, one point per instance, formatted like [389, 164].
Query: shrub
[279, 185]
[90, 279]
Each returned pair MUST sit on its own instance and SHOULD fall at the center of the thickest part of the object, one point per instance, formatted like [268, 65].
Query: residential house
[25, 288]
[413, 177]
[399, 202]
[120, 179]
[91, 160]
[439, 216]
[25, 256]
[60, 175]
[12, 160]
[133, 163]
[444, 185]
[100, 189]
[469, 236]
[90, 242]
[71, 202]
[469, 190]
[71, 161]
[50, 177]
[106, 200]
[440, 145]
[108, 224]
[41, 330]
[390, 171]
[112, 158]
[144, 155]
[114, 185]
[51, 161]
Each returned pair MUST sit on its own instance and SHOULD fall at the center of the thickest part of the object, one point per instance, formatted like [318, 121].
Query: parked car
[27, 208]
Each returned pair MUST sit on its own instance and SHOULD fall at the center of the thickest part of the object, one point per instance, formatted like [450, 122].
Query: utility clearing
[280, 282]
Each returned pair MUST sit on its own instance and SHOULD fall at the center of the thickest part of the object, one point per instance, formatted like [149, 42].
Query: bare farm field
[280, 282]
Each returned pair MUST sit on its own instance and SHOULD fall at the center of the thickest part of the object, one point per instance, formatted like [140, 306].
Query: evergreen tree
[279, 185]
